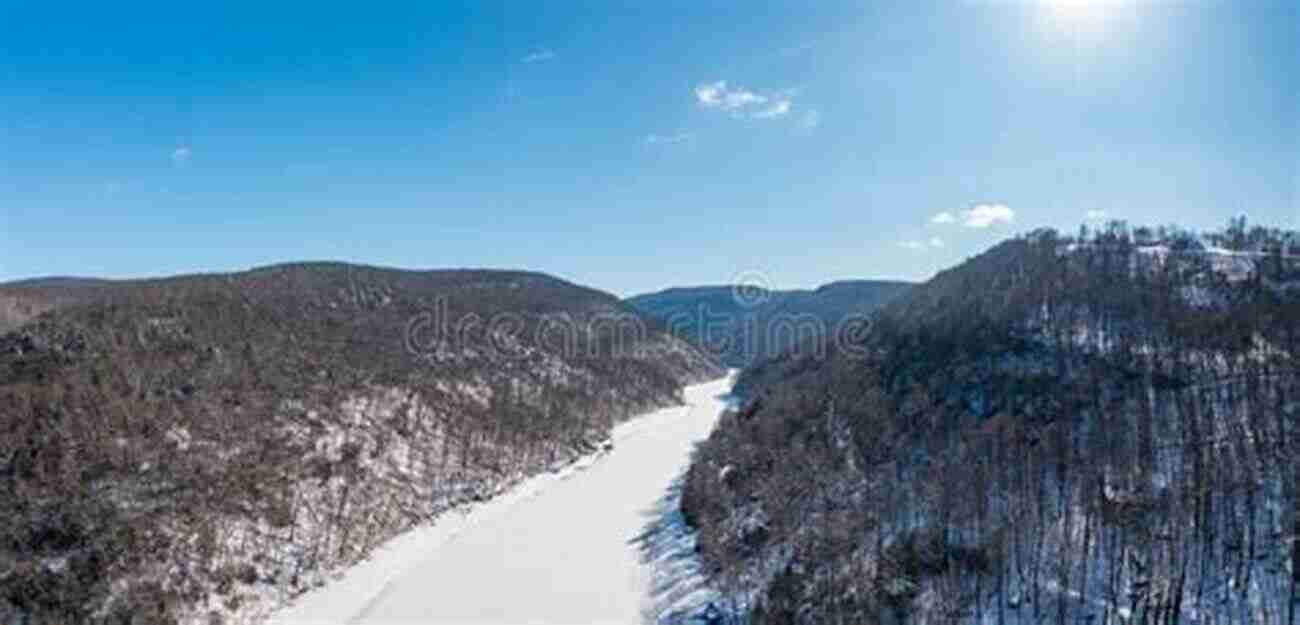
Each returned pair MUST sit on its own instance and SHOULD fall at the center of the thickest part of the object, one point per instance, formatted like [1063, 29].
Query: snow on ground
[678, 586]
[584, 545]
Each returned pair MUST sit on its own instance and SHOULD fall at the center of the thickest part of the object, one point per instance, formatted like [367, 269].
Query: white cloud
[710, 95]
[912, 245]
[743, 103]
[777, 109]
[181, 156]
[717, 95]
[936, 242]
[1096, 215]
[656, 139]
[943, 218]
[538, 56]
[985, 215]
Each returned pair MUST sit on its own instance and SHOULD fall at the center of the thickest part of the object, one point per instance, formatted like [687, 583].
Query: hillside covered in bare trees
[1099, 428]
[203, 448]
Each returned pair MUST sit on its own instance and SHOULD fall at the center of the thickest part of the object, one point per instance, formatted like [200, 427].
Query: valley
[563, 548]
[614, 313]
[1057, 429]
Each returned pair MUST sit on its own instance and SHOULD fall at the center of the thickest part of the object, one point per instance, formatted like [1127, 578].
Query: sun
[1080, 16]
[1075, 8]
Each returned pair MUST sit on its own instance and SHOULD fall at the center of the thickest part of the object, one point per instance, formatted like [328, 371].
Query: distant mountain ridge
[203, 447]
[743, 325]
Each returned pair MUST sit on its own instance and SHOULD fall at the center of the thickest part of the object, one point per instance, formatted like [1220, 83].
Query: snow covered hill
[199, 449]
[566, 547]
[1052, 431]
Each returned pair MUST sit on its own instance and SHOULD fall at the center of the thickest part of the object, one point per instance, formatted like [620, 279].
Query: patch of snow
[180, 437]
[558, 548]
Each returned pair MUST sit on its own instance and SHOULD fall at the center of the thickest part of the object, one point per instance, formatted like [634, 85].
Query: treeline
[199, 449]
[1100, 428]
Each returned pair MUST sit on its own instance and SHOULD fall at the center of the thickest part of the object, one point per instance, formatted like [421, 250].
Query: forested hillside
[22, 300]
[202, 448]
[744, 324]
[1100, 428]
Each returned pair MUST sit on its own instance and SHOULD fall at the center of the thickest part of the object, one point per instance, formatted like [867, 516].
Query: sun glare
[1080, 16]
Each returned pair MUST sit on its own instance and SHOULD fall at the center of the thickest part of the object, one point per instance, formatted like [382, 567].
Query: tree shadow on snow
[678, 589]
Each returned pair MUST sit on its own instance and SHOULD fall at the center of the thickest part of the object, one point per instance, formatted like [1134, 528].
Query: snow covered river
[567, 548]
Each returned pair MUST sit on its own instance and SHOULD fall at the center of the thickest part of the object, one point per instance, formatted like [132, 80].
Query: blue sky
[629, 147]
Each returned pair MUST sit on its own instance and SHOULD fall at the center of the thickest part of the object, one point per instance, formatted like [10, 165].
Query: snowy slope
[560, 548]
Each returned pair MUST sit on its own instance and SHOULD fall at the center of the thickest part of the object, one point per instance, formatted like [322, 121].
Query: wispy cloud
[919, 245]
[979, 216]
[778, 108]
[718, 95]
[538, 56]
[657, 139]
[181, 156]
[985, 215]
[1096, 215]
[744, 103]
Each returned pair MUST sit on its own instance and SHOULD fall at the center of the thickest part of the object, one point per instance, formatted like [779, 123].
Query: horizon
[961, 311]
[744, 279]
[631, 149]
[146, 277]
